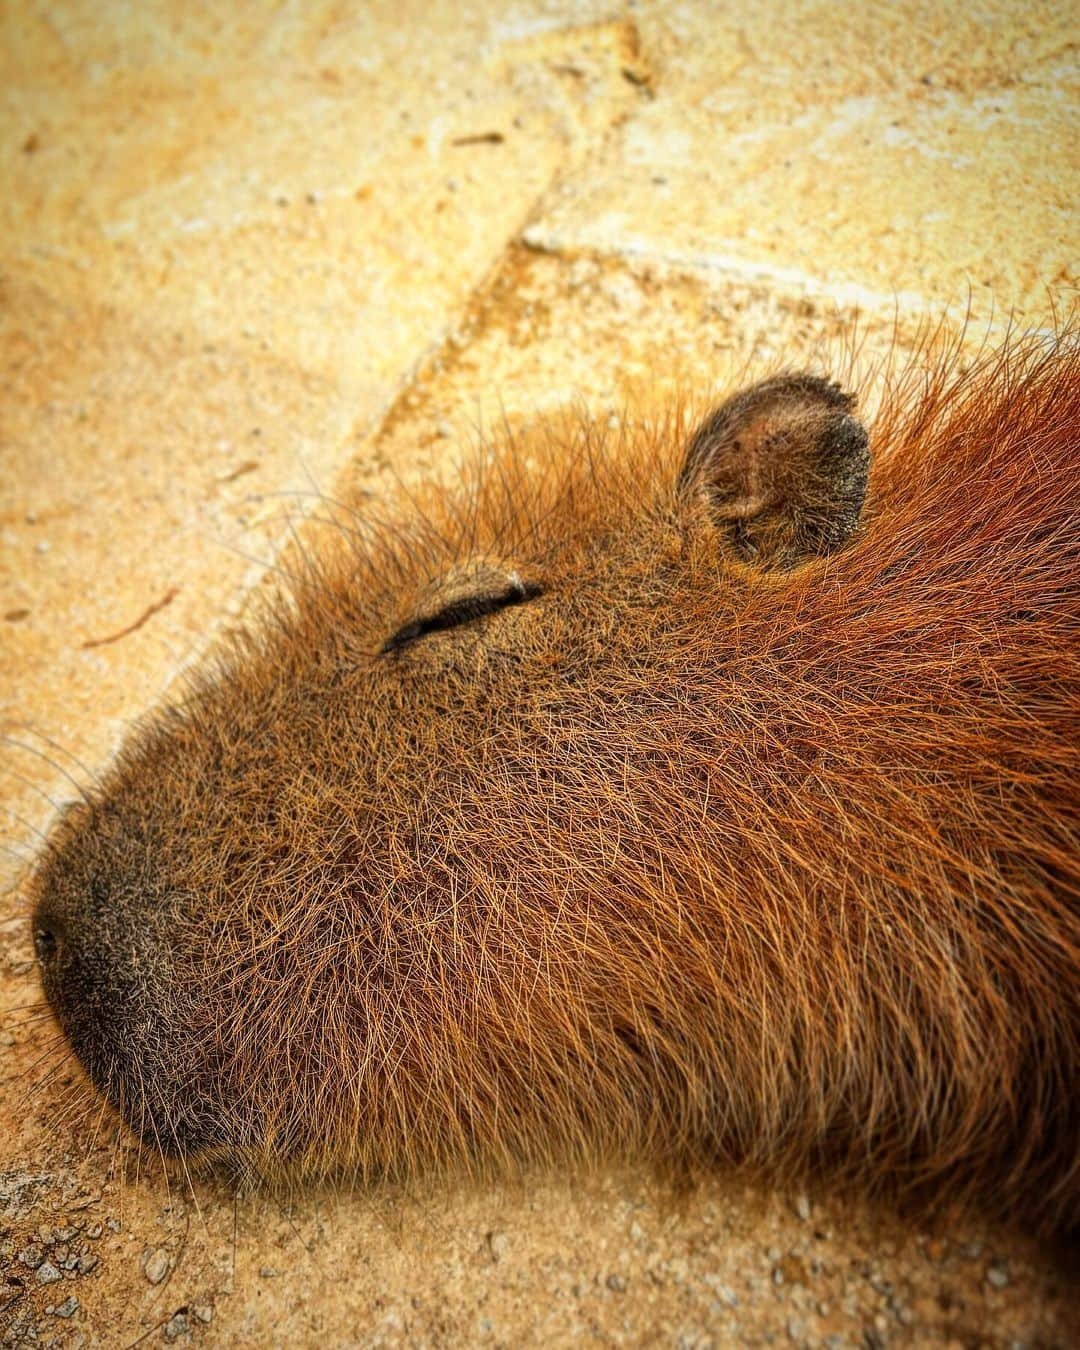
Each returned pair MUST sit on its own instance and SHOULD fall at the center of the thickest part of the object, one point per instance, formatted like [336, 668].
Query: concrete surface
[251, 250]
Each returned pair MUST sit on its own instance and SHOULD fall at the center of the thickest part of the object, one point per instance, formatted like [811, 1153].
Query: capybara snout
[662, 794]
[105, 930]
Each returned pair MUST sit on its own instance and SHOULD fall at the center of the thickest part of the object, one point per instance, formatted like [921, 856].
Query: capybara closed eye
[705, 798]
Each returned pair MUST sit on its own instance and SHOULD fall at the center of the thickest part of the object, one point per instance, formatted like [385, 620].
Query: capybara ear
[784, 466]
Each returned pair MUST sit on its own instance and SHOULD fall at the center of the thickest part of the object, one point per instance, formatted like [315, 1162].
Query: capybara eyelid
[461, 612]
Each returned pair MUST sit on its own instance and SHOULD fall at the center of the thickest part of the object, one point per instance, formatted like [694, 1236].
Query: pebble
[156, 1265]
[616, 1283]
[175, 1326]
[86, 1264]
[85, 1201]
[268, 1272]
[802, 1207]
[32, 1256]
[47, 1273]
[796, 1329]
[204, 1313]
[68, 1308]
[998, 1276]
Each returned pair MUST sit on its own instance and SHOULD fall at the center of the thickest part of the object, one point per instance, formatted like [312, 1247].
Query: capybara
[681, 791]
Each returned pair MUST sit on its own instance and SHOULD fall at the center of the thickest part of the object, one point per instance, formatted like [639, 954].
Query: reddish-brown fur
[681, 858]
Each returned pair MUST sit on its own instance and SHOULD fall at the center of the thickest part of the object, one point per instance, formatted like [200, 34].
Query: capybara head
[647, 798]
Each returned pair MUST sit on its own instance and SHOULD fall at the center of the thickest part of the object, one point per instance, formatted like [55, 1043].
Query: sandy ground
[249, 249]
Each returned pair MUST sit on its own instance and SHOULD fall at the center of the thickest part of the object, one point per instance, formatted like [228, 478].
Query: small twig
[149, 613]
[248, 466]
[481, 138]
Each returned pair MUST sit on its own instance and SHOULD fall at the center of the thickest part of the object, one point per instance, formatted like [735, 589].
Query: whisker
[264, 563]
[363, 524]
[27, 1019]
[97, 1129]
[304, 1247]
[190, 1183]
[25, 823]
[235, 1221]
[62, 1105]
[147, 1116]
[60, 750]
[29, 782]
[120, 1148]
[50, 1047]
[48, 1077]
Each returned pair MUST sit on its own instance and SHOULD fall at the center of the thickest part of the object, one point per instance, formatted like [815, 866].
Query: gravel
[157, 1265]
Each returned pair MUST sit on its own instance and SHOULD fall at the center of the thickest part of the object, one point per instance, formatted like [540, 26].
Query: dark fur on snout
[651, 799]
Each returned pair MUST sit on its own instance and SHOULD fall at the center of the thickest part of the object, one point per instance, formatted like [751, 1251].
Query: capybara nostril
[46, 944]
[49, 933]
[685, 792]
